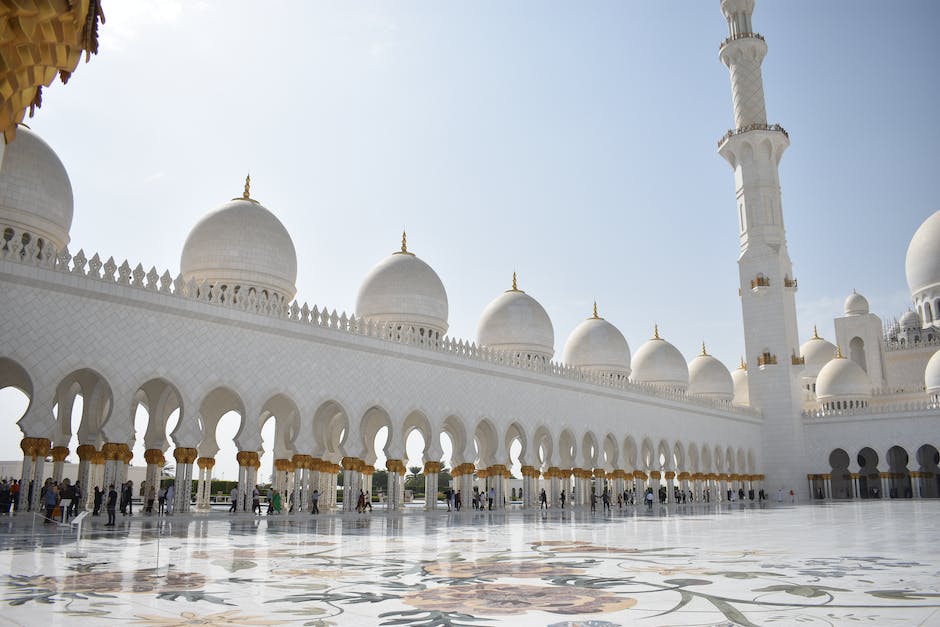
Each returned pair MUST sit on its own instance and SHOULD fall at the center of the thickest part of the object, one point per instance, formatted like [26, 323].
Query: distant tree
[414, 470]
[380, 481]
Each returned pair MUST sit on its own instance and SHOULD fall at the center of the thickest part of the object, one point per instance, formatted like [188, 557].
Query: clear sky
[574, 143]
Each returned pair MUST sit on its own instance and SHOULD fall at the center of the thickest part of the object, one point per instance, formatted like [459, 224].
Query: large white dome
[35, 191]
[241, 244]
[710, 378]
[403, 289]
[932, 375]
[598, 346]
[660, 363]
[922, 264]
[842, 380]
[816, 353]
[910, 321]
[742, 397]
[515, 322]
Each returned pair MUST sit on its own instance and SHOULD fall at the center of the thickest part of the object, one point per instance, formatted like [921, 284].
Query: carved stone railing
[891, 346]
[137, 278]
[738, 36]
[752, 127]
[875, 410]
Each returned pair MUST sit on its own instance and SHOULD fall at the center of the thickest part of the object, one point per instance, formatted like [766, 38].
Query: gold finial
[515, 287]
[816, 333]
[404, 241]
[595, 311]
[839, 352]
[247, 193]
[704, 352]
[743, 365]
[656, 332]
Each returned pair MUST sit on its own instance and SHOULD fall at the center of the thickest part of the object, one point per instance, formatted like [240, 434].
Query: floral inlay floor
[872, 563]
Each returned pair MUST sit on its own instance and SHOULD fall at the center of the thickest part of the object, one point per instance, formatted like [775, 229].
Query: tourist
[605, 497]
[151, 497]
[4, 497]
[50, 498]
[234, 496]
[562, 498]
[649, 498]
[77, 495]
[111, 506]
[543, 500]
[161, 501]
[256, 501]
[129, 488]
[170, 496]
[458, 502]
[270, 496]
[15, 495]
[490, 496]
[315, 499]
[361, 502]
[593, 500]
[99, 495]
[276, 503]
[369, 501]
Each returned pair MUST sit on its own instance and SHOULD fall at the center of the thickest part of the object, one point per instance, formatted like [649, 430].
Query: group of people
[63, 496]
[9, 496]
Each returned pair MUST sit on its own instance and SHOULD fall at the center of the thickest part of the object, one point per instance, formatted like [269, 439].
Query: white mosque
[852, 418]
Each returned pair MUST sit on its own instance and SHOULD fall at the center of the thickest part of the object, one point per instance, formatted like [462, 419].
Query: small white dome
[910, 321]
[816, 352]
[403, 289]
[856, 304]
[241, 244]
[515, 322]
[710, 378]
[35, 191]
[922, 264]
[598, 346]
[932, 375]
[842, 380]
[742, 397]
[660, 363]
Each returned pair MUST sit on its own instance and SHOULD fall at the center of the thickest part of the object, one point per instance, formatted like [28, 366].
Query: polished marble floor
[875, 563]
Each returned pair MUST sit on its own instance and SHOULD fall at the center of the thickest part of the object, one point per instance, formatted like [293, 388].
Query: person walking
[151, 497]
[563, 498]
[15, 495]
[112, 505]
[458, 501]
[161, 501]
[649, 498]
[593, 501]
[170, 496]
[50, 500]
[234, 507]
[543, 500]
[256, 501]
[605, 498]
[77, 496]
[490, 496]
[99, 495]
[315, 499]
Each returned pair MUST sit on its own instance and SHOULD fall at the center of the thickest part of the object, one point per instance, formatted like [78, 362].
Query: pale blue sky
[571, 142]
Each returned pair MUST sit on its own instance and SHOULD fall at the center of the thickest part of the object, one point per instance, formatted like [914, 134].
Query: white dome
[35, 192]
[856, 304]
[922, 265]
[515, 322]
[660, 363]
[816, 352]
[404, 289]
[241, 244]
[709, 377]
[910, 321]
[742, 397]
[932, 375]
[599, 346]
[842, 380]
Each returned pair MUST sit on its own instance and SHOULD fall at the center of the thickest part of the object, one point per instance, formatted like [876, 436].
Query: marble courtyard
[872, 563]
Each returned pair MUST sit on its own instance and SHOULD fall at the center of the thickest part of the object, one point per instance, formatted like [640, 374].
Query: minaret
[753, 148]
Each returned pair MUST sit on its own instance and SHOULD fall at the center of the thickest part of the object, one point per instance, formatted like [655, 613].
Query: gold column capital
[184, 455]
[432, 467]
[206, 463]
[154, 456]
[59, 453]
[85, 452]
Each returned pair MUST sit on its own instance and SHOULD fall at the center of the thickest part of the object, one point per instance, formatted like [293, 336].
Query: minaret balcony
[797, 360]
[752, 127]
[790, 284]
[766, 359]
[738, 36]
[760, 284]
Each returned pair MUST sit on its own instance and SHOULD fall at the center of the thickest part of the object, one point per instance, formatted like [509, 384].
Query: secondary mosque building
[855, 417]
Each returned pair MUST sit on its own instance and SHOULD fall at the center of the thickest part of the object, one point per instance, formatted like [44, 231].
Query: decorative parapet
[760, 281]
[892, 409]
[738, 36]
[752, 127]
[892, 345]
[137, 278]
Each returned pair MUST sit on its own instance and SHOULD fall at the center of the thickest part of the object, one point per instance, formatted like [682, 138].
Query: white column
[431, 485]
[31, 448]
[183, 481]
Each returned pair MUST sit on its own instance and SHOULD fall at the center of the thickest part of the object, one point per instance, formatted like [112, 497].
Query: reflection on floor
[874, 563]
